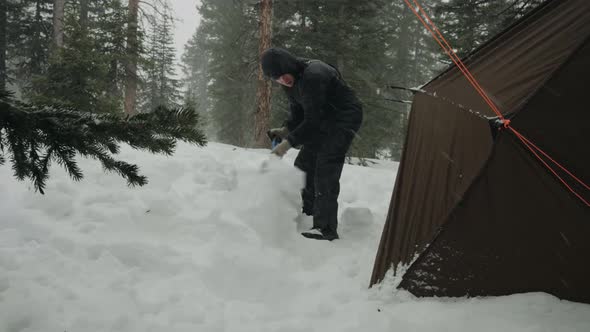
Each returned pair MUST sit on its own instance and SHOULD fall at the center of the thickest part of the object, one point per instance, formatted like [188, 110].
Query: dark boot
[318, 234]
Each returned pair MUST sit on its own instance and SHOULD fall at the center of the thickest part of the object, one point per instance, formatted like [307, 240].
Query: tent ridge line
[447, 100]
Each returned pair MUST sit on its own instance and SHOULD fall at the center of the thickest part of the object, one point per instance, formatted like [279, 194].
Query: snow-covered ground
[212, 244]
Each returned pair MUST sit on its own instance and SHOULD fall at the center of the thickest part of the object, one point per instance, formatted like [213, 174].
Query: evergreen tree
[469, 23]
[132, 51]
[111, 19]
[229, 28]
[375, 44]
[162, 88]
[74, 90]
[29, 35]
[3, 35]
[58, 24]
[78, 76]
[410, 62]
[195, 64]
[32, 137]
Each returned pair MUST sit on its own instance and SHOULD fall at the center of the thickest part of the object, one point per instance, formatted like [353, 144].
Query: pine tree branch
[34, 136]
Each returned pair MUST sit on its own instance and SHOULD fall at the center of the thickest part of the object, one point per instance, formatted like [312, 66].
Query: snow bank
[213, 244]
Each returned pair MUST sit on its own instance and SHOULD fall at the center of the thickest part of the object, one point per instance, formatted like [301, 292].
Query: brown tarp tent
[480, 212]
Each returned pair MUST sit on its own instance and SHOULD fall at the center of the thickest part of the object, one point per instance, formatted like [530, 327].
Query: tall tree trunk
[84, 13]
[132, 55]
[58, 24]
[303, 16]
[262, 116]
[37, 48]
[3, 31]
[114, 79]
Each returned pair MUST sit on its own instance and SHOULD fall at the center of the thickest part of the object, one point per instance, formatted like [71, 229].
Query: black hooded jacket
[319, 99]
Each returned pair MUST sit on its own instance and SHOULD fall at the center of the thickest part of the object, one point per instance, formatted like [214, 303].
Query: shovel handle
[276, 141]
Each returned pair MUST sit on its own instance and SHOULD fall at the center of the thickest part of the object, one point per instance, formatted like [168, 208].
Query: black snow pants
[322, 161]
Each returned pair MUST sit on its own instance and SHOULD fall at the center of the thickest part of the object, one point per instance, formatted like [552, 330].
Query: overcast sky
[187, 21]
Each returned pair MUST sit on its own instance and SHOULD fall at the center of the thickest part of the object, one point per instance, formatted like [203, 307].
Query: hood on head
[276, 62]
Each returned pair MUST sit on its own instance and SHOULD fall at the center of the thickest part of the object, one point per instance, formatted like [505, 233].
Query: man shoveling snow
[325, 115]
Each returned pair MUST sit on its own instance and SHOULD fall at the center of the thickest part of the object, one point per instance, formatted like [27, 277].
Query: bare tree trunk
[58, 24]
[132, 54]
[262, 116]
[3, 31]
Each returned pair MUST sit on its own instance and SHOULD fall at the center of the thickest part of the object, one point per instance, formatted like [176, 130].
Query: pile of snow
[213, 244]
